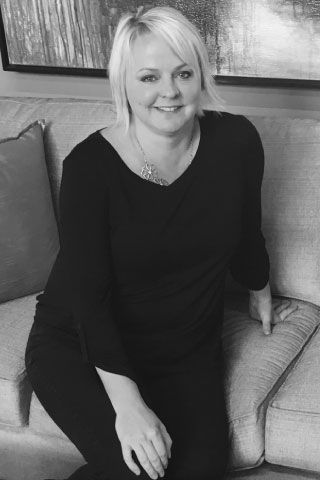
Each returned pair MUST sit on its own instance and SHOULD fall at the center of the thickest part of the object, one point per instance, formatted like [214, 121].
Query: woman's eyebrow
[155, 69]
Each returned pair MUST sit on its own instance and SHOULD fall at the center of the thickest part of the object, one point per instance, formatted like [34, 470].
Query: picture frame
[241, 52]
[12, 66]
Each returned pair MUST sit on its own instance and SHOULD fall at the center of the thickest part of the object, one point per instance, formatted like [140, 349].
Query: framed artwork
[252, 42]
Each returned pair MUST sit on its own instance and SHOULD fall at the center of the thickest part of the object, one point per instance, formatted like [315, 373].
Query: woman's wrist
[121, 390]
[264, 293]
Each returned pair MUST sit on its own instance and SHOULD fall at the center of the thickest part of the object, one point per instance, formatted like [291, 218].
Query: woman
[125, 349]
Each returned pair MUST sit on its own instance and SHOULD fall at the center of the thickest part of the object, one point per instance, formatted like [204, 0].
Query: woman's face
[156, 78]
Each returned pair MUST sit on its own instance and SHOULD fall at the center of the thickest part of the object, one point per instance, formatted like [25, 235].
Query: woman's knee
[210, 467]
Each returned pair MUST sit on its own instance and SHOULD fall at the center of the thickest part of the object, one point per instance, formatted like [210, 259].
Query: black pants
[189, 401]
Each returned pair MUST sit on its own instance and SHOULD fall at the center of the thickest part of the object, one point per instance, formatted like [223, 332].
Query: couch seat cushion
[293, 416]
[15, 390]
[255, 366]
[41, 422]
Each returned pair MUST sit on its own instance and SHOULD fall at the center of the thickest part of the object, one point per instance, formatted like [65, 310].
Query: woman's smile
[168, 109]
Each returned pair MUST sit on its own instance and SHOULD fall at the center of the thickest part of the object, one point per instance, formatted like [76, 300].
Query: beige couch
[272, 383]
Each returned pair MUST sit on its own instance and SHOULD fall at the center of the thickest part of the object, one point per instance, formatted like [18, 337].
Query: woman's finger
[277, 303]
[276, 318]
[126, 453]
[155, 458]
[285, 309]
[145, 462]
[160, 445]
[167, 440]
[266, 325]
[282, 306]
[280, 317]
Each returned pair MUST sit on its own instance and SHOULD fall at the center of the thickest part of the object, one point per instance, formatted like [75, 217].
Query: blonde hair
[184, 39]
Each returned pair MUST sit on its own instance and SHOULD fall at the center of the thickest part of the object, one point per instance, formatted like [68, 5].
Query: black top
[141, 269]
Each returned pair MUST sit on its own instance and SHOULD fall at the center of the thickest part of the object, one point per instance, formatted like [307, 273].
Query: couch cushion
[255, 367]
[41, 422]
[290, 205]
[26, 455]
[15, 390]
[293, 417]
[68, 121]
[29, 240]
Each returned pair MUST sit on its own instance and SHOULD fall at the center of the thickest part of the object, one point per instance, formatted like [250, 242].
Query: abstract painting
[266, 42]
[274, 41]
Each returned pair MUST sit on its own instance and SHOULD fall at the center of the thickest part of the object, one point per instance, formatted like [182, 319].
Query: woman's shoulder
[229, 123]
[114, 135]
[225, 117]
[89, 151]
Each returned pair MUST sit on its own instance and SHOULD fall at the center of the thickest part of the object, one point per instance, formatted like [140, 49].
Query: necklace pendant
[149, 172]
[162, 181]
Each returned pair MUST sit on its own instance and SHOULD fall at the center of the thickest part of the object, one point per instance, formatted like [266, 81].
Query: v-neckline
[137, 178]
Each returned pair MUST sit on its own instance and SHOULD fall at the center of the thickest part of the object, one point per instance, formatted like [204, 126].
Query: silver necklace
[149, 170]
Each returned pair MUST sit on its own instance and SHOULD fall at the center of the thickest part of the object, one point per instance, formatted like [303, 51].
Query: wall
[293, 102]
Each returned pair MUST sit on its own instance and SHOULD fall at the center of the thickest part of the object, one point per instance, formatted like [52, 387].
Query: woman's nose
[169, 88]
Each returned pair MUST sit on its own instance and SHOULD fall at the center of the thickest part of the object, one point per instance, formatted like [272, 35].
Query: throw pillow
[29, 240]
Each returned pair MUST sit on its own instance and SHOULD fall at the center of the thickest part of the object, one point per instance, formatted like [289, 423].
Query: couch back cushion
[290, 191]
[291, 205]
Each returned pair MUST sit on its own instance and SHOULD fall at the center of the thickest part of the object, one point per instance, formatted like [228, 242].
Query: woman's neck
[164, 148]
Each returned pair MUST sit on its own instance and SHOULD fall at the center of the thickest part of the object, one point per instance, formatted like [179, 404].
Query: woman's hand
[139, 429]
[137, 426]
[261, 308]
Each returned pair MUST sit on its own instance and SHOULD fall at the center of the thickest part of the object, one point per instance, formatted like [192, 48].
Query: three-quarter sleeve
[250, 262]
[85, 250]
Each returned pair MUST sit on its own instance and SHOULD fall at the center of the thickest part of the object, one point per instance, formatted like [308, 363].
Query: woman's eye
[147, 78]
[186, 74]
[183, 75]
